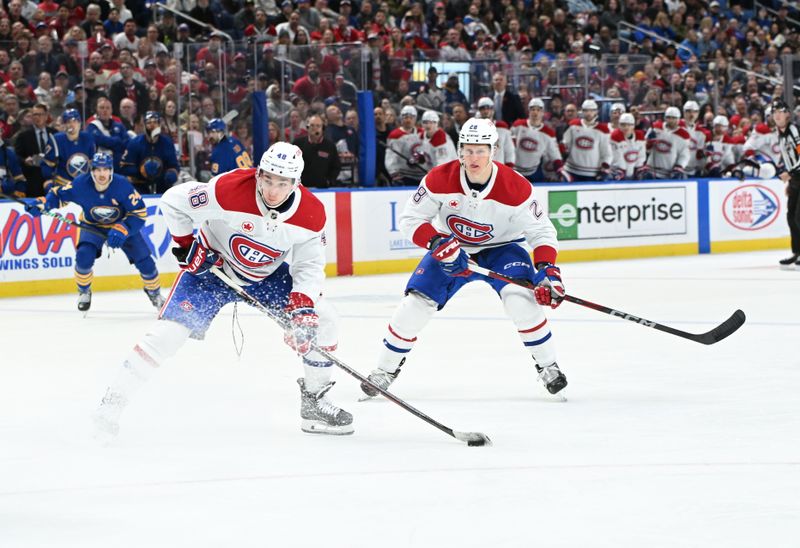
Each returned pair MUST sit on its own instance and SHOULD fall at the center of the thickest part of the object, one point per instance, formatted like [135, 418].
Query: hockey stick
[473, 439]
[723, 330]
[61, 218]
[408, 161]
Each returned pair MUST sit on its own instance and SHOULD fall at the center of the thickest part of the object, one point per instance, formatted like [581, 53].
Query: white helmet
[430, 116]
[617, 106]
[408, 110]
[283, 159]
[627, 118]
[720, 121]
[478, 131]
[691, 105]
[485, 102]
[588, 104]
[536, 102]
[672, 112]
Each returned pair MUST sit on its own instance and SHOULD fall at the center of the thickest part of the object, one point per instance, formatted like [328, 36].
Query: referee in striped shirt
[789, 140]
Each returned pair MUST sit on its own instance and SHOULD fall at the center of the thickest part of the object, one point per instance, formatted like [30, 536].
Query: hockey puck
[479, 443]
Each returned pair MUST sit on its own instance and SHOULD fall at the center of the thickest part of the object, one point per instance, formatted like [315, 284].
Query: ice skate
[106, 417]
[319, 415]
[84, 301]
[790, 263]
[552, 378]
[380, 378]
[156, 299]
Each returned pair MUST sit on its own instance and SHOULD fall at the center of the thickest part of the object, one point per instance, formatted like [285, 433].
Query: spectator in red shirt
[311, 86]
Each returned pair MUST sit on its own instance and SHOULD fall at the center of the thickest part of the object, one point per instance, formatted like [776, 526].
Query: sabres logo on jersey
[252, 254]
[469, 231]
[105, 214]
[77, 164]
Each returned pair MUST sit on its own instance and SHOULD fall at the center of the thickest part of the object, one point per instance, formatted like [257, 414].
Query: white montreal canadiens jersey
[629, 154]
[252, 239]
[438, 150]
[506, 154]
[402, 147]
[763, 141]
[698, 137]
[504, 211]
[534, 145]
[669, 149]
[587, 147]
[720, 153]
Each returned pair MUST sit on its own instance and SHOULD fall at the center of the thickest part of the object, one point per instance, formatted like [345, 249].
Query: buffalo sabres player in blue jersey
[150, 160]
[228, 152]
[110, 203]
[68, 153]
[12, 181]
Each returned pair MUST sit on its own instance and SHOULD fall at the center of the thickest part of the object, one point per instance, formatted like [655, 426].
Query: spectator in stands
[452, 93]
[127, 39]
[507, 103]
[431, 96]
[346, 140]
[128, 87]
[320, 155]
[277, 108]
[311, 86]
[128, 113]
[203, 13]
[30, 145]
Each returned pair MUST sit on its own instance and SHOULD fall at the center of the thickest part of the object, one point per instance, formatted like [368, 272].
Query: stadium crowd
[578, 90]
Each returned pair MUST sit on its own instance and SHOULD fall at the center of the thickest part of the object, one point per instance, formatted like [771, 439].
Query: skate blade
[788, 267]
[367, 398]
[318, 427]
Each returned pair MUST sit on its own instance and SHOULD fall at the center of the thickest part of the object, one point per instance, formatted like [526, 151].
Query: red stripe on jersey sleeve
[544, 254]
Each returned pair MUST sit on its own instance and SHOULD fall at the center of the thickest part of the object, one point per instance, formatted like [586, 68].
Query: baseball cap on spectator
[373, 35]
[216, 34]
[691, 105]
[302, 2]
[262, 76]
[63, 73]
[617, 106]
[239, 57]
[627, 118]
[331, 101]
[536, 102]
[286, 3]
[713, 4]
[76, 87]
[40, 25]
[452, 75]
[439, 5]
[409, 36]
[183, 26]
[485, 102]
[149, 63]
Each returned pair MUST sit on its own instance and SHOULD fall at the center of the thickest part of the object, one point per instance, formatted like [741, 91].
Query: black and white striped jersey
[790, 148]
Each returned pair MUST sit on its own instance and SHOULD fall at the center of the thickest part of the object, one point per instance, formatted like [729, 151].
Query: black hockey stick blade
[472, 439]
[723, 330]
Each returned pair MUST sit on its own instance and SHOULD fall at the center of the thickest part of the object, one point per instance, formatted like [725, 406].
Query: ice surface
[663, 442]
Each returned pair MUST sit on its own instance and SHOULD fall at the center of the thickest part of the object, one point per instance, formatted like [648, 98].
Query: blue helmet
[102, 159]
[71, 114]
[152, 115]
[217, 124]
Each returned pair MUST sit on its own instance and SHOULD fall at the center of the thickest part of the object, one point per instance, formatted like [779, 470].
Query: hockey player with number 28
[477, 209]
[249, 221]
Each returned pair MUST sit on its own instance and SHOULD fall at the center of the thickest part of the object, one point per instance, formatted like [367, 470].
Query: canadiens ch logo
[528, 145]
[252, 254]
[662, 146]
[469, 231]
[186, 306]
[248, 227]
[585, 143]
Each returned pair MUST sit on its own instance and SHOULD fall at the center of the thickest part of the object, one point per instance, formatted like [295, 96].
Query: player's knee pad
[85, 256]
[521, 306]
[328, 332]
[413, 314]
[159, 343]
[147, 267]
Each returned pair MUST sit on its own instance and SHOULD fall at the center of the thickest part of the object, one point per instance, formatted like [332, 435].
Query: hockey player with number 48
[249, 221]
[476, 209]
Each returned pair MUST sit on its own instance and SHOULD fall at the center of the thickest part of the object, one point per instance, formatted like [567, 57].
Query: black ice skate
[84, 300]
[552, 378]
[319, 415]
[155, 297]
[381, 378]
[790, 263]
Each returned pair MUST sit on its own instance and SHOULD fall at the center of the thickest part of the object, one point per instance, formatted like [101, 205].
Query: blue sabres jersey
[11, 176]
[64, 159]
[119, 203]
[112, 138]
[229, 154]
[149, 164]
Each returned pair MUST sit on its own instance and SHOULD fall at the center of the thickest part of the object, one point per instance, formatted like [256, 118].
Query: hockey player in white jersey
[475, 209]
[249, 220]
[405, 159]
[587, 147]
[537, 150]
[437, 146]
[629, 148]
[615, 112]
[506, 154]
[719, 150]
[761, 156]
[669, 146]
[698, 138]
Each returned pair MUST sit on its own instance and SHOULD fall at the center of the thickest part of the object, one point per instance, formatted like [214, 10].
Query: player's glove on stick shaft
[549, 287]
[117, 235]
[453, 260]
[303, 323]
[197, 258]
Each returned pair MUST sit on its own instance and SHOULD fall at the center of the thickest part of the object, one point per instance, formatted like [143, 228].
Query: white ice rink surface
[663, 442]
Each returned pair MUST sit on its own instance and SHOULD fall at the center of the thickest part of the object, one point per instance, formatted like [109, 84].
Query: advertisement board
[747, 210]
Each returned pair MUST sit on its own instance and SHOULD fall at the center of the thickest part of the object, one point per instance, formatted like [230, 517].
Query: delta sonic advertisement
[43, 248]
[747, 210]
[623, 215]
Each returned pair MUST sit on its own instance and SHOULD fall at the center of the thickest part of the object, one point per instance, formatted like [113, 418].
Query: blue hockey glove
[303, 323]
[196, 259]
[453, 260]
[677, 173]
[549, 287]
[8, 186]
[117, 235]
[171, 177]
[35, 207]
